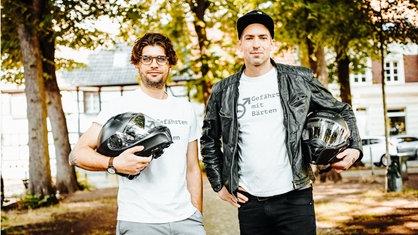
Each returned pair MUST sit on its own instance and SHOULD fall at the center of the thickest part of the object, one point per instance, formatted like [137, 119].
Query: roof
[110, 67]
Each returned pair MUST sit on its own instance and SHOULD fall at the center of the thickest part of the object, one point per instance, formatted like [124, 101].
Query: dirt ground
[355, 205]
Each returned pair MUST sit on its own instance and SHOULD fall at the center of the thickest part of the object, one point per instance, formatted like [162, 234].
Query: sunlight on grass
[15, 218]
[331, 214]
[31, 216]
[350, 214]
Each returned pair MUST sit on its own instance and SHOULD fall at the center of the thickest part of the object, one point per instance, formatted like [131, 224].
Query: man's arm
[323, 99]
[84, 155]
[194, 176]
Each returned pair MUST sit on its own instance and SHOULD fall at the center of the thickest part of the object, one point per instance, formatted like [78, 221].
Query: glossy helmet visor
[127, 130]
[324, 136]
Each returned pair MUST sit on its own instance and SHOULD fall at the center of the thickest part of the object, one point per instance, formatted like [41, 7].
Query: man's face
[256, 45]
[153, 74]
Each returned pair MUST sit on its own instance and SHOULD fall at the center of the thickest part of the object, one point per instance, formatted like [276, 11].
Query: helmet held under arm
[127, 130]
[324, 136]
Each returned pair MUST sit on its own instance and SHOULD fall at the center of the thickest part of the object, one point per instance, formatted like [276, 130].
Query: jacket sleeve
[323, 99]
[211, 142]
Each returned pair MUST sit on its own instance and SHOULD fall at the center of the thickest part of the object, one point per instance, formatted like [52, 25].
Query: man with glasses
[166, 198]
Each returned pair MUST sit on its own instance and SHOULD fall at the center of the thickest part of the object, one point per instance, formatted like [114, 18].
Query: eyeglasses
[147, 60]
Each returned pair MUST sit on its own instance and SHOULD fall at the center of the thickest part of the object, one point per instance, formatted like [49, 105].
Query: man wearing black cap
[251, 139]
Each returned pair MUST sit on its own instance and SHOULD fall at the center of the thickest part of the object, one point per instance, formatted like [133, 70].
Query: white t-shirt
[264, 163]
[159, 194]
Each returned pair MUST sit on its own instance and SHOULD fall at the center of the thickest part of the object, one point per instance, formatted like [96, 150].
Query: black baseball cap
[252, 17]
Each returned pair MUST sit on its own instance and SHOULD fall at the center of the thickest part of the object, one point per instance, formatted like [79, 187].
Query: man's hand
[129, 163]
[348, 157]
[226, 196]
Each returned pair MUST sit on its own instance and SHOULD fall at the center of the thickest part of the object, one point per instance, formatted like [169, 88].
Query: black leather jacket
[300, 93]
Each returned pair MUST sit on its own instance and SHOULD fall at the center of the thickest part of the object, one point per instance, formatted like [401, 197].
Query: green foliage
[63, 23]
[35, 201]
[83, 182]
[68, 64]
[347, 26]
[202, 166]
[202, 60]
[4, 218]
[350, 30]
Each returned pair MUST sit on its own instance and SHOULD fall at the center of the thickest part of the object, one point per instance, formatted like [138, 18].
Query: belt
[262, 199]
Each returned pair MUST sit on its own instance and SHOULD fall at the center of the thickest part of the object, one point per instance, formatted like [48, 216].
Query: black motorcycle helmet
[324, 136]
[127, 130]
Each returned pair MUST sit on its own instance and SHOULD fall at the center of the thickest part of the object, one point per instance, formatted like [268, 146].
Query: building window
[91, 102]
[362, 76]
[392, 72]
[397, 121]
[359, 78]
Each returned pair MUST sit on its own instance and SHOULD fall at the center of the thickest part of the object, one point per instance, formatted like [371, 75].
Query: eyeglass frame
[157, 58]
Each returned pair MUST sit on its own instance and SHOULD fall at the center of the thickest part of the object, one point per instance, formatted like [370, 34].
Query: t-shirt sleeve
[194, 127]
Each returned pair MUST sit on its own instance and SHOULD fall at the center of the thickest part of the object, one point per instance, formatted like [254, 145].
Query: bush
[30, 201]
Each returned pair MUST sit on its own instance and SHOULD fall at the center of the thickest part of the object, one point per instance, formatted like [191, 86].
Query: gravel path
[220, 217]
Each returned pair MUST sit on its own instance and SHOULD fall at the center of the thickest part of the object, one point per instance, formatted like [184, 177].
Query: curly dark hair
[153, 39]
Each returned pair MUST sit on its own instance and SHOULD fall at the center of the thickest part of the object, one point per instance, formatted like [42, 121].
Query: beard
[153, 82]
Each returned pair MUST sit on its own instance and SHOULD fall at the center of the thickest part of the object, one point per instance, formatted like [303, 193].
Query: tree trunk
[2, 190]
[343, 63]
[317, 62]
[66, 180]
[321, 68]
[198, 8]
[40, 182]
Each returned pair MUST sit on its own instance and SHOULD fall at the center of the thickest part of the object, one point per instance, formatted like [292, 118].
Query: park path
[339, 207]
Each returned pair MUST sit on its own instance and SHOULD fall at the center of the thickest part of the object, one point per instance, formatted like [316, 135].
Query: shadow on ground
[355, 205]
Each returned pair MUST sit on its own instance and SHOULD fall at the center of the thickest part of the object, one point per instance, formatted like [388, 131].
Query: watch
[110, 169]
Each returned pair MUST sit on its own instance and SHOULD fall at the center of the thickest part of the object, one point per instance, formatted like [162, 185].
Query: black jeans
[291, 213]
